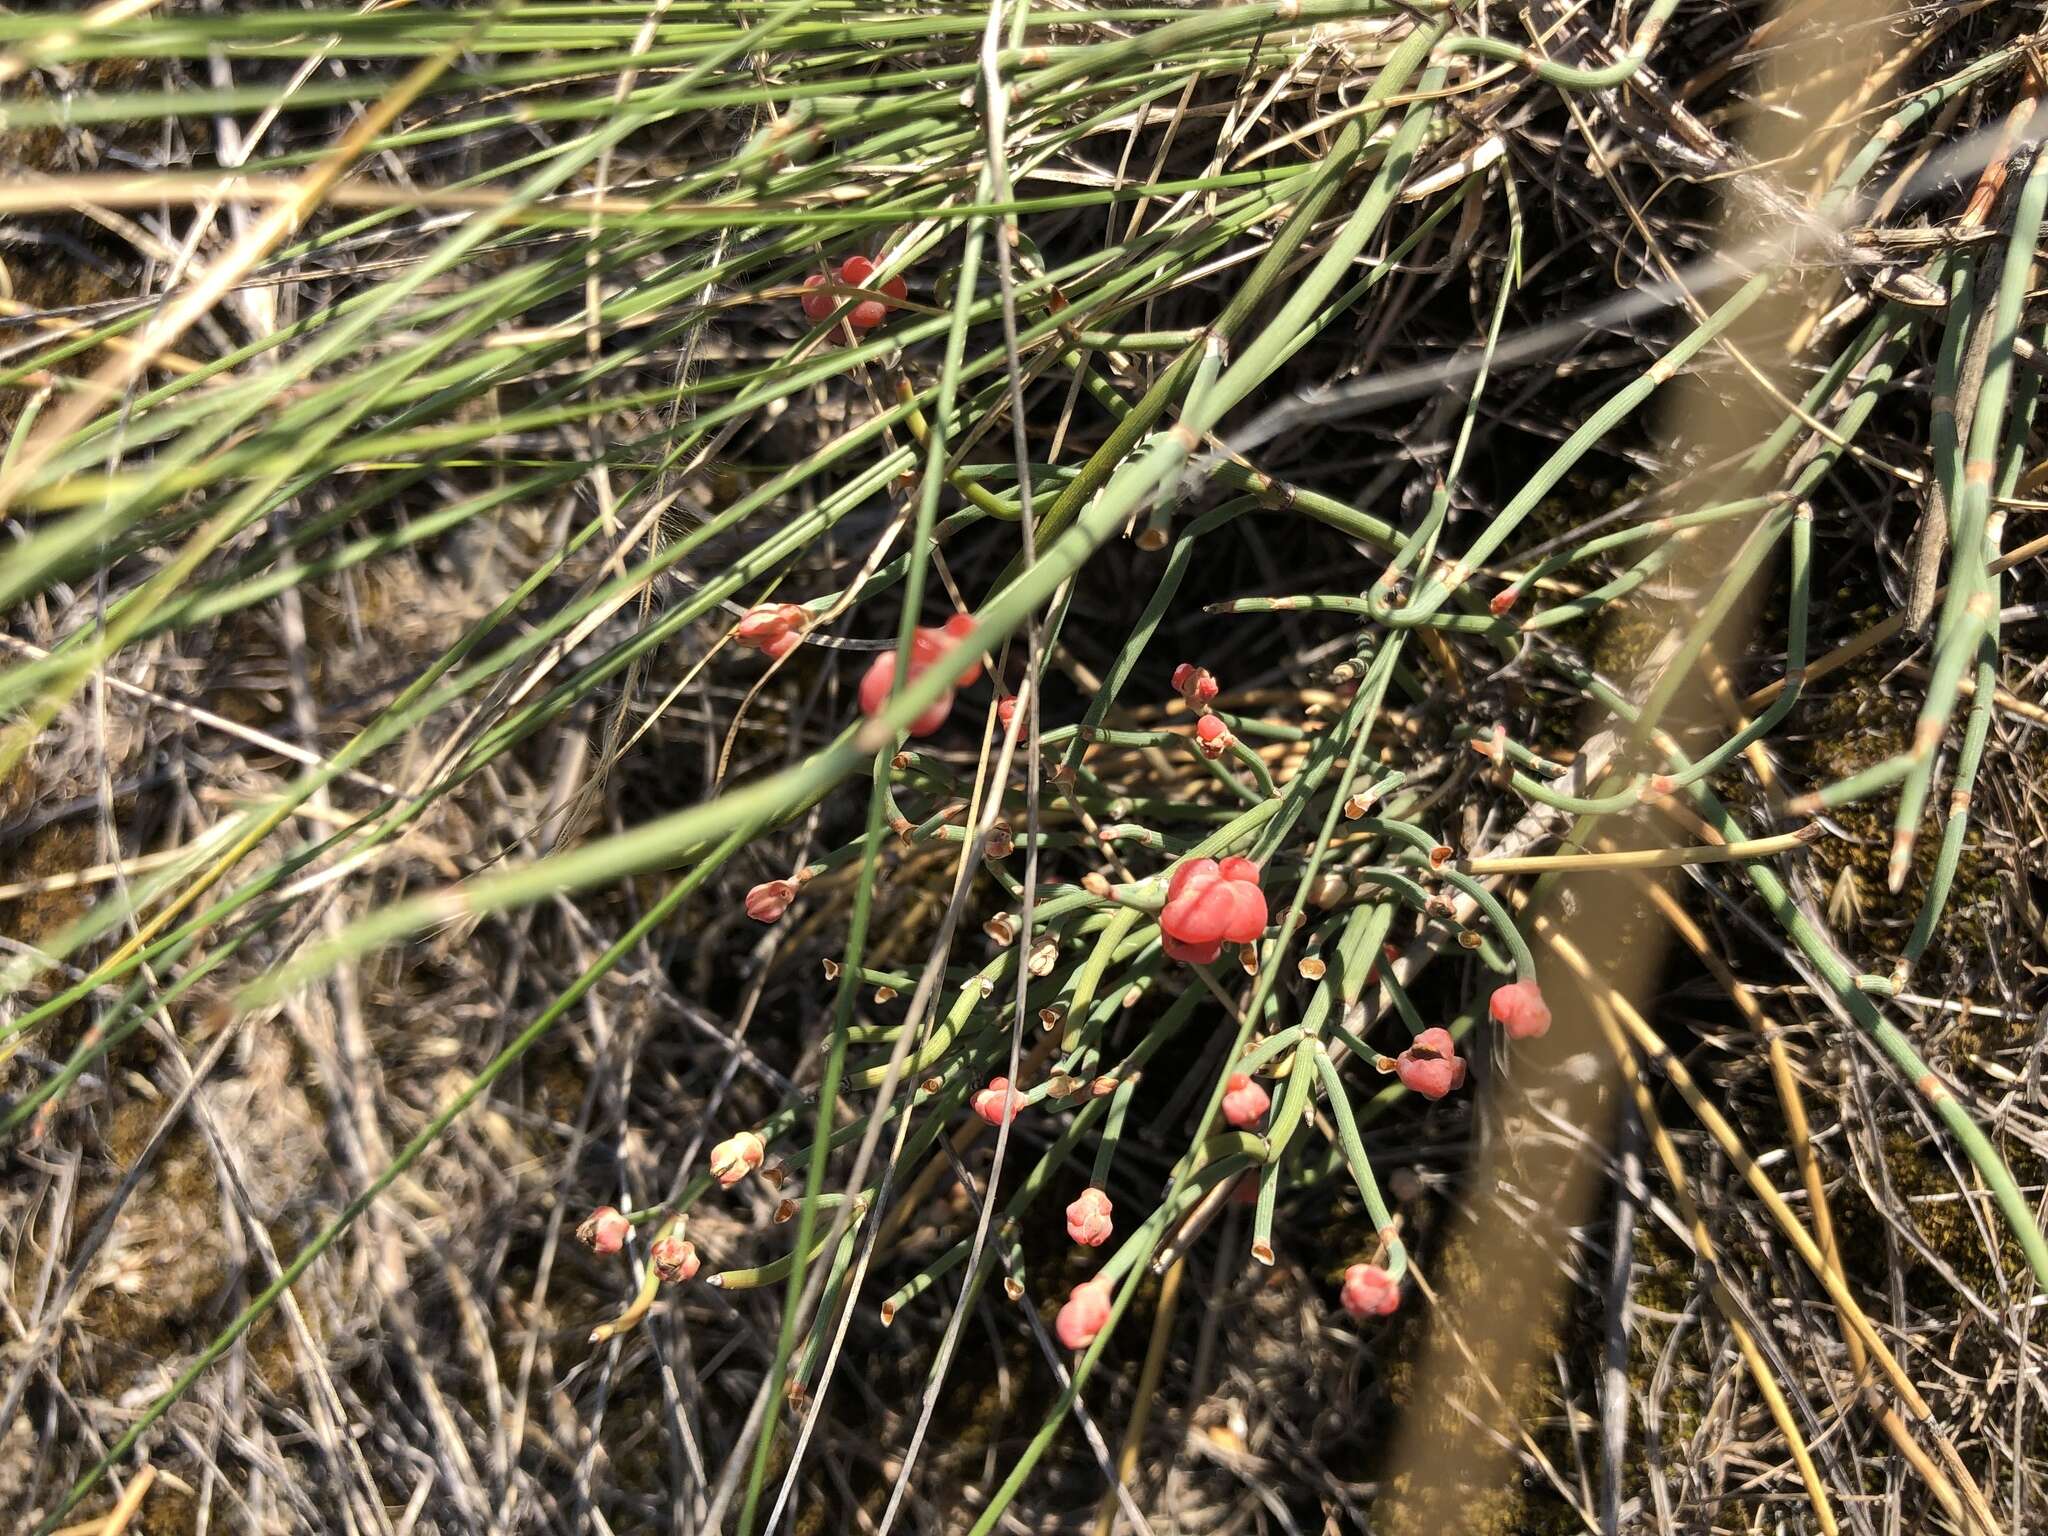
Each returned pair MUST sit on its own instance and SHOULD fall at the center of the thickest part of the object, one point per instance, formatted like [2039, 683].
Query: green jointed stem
[1593, 78]
[1354, 1156]
[1790, 512]
[1252, 364]
[1595, 430]
[784, 1268]
[1113, 1127]
[1821, 952]
[1487, 902]
[1970, 614]
[1983, 706]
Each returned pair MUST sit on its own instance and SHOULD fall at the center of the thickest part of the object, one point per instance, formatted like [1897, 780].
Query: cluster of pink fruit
[674, 1257]
[1430, 1066]
[605, 1231]
[1091, 1221]
[776, 629]
[1209, 903]
[854, 272]
[1199, 687]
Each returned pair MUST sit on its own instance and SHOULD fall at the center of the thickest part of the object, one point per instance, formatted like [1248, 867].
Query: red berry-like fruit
[928, 645]
[605, 1230]
[874, 694]
[998, 1101]
[1084, 1315]
[1089, 1218]
[674, 1259]
[1212, 736]
[776, 628]
[1370, 1291]
[1195, 684]
[1431, 1065]
[952, 633]
[817, 306]
[868, 313]
[1519, 1008]
[1244, 1102]
[1209, 904]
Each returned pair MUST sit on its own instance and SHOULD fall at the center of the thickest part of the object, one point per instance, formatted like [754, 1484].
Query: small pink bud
[998, 1101]
[874, 694]
[1084, 1315]
[1503, 600]
[776, 628]
[1089, 1220]
[1431, 1066]
[1244, 1102]
[1195, 684]
[1370, 1291]
[674, 1259]
[1519, 1008]
[605, 1230]
[767, 901]
[736, 1157]
[1213, 737]
[1006, 709]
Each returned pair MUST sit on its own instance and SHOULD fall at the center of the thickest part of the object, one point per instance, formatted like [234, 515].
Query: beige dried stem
[18, 62]
[1437, 1462]
[207, 287]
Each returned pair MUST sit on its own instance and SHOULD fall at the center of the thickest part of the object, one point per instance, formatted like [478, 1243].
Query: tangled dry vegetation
[1598, 442]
